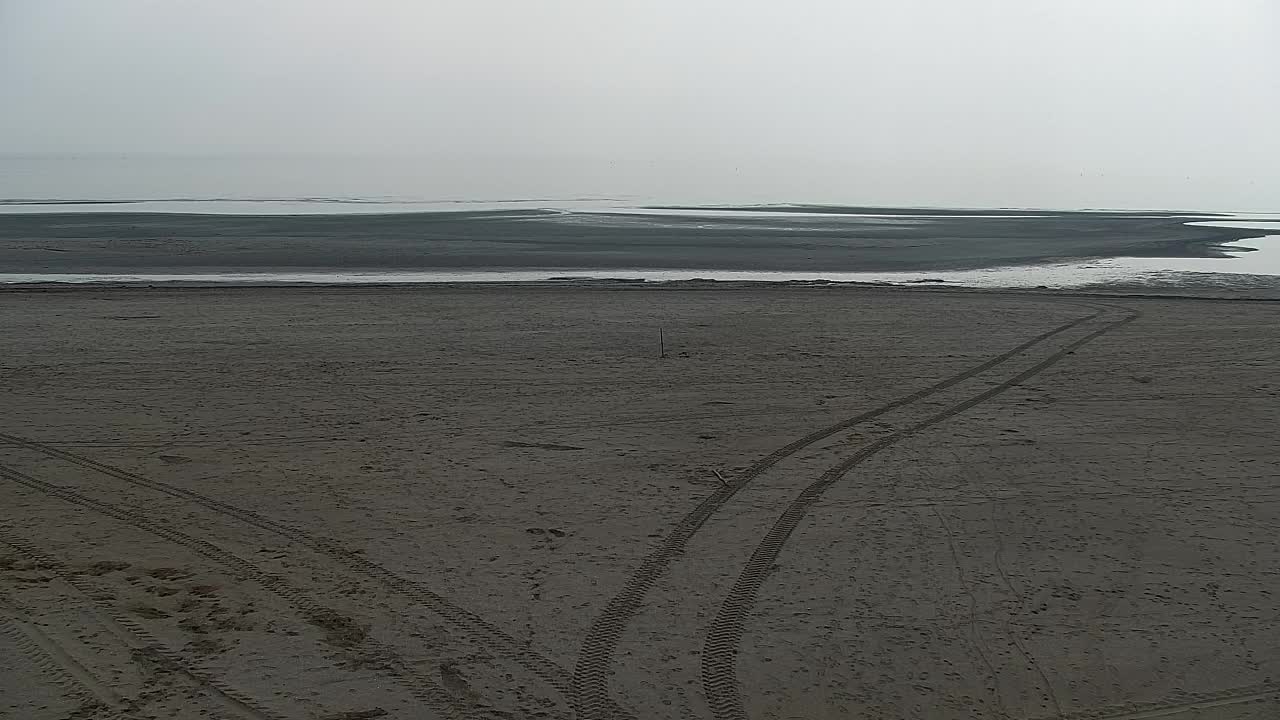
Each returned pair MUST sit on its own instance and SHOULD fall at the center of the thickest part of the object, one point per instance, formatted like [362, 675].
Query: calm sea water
[257, 184]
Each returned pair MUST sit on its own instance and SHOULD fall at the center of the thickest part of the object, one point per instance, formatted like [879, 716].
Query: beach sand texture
[500, 502]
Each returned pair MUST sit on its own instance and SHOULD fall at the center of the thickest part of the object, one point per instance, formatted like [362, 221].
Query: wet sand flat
[819, 239]
[502, 502]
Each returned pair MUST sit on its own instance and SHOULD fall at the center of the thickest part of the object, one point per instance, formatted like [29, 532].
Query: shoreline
[571, 242]
[1225, 273]
[1116, 291]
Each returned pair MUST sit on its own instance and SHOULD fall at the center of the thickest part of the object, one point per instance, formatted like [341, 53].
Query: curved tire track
[720, 648]
[340, 627]
[471, 626]
[591, 698]
[1188, 703]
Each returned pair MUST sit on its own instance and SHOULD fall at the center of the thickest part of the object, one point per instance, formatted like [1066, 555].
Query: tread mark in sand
[420, 686]
[1198, 701]
[75, 680]
[720, 647]
[595, 657]
[472, 626]
[137, 638]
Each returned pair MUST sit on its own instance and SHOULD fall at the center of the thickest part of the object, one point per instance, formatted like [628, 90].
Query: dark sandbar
[544, 239]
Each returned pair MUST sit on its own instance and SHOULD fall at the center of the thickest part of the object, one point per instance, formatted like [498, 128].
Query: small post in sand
[662, 346]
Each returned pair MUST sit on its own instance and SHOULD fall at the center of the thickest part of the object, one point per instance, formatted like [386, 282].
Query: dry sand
[500, 503]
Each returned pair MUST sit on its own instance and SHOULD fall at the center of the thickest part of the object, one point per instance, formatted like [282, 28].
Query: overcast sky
[1118, 103]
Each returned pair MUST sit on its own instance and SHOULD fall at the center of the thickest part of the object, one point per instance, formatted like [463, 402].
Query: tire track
[980, 648]
[1198, 701]
[1049, 691]
[471, 626]
[76, 682]
[342, 631]
[720, 647]
[138, 639]
[591, 698]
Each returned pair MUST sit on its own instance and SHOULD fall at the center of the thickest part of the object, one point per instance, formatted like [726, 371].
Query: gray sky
[1117, 103]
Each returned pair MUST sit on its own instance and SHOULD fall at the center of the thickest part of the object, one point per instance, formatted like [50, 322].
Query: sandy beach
[502, 502]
